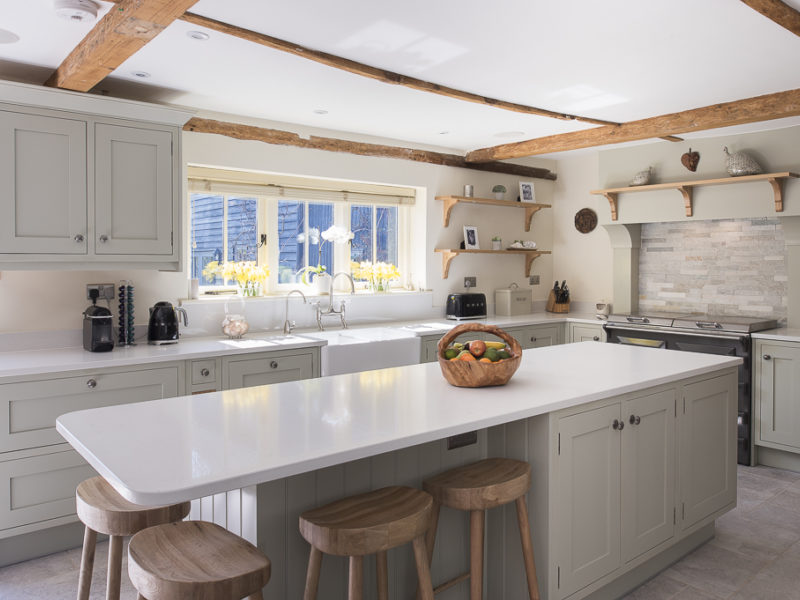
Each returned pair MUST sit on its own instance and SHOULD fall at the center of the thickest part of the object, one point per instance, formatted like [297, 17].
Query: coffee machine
[98, 335]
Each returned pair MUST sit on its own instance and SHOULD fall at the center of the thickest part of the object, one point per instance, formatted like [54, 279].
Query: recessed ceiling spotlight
[508, 134]
[200, 36]
[140, 74]
[320, 111]
[76, 10]
[8, 37]
[443, 132]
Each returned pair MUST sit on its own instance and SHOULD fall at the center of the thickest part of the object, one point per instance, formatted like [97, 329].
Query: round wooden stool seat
[101, 508]
[195, 560]
[482, 485]
[476, 488]
[368, 523]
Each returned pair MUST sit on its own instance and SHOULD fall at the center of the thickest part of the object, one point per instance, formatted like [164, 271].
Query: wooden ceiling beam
[780, 12]
[126, 28]
[750, 110]
[288, 138]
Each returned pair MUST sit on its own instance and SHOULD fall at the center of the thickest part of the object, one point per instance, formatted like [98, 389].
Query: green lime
[491, 354]
[503, 354]
[450, 353]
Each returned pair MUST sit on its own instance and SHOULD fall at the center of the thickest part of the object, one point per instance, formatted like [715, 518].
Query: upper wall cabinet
[88, 190]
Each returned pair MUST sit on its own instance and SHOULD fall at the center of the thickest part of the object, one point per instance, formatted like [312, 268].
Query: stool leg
[382, 566]
[423, 569]
[312, 575]
[527, 548]
[87, 563]
[114, 567]
[356, 584]
[476, 526]
[430, 537]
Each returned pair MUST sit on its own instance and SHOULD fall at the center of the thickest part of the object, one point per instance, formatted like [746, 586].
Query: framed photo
[471, 238]
[526, 191]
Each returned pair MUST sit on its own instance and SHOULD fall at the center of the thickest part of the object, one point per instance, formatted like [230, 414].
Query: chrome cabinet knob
[533, 339]
[205, 372]
[767, 357]
[78, 238]
[103, 239]
[617, 425]
[596, 338]
[274, 364]
[91, 384]
[634, 420]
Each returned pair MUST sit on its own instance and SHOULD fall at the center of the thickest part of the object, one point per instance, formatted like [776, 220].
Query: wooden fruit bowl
[463, 373]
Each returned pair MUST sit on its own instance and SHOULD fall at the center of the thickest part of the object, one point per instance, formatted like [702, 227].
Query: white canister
[468, 191]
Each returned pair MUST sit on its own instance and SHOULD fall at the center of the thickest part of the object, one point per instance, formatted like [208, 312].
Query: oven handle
[720, 334]
[708, 325]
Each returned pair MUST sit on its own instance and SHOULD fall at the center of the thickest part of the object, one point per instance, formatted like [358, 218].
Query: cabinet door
[134, 191]
[648, 472]
[28, 409]
[40, 488]
[707, 455]
[778, 370]
[42, 185]
[539, 336]
[588, 521]
[579, 332]
[429, 350]
[266, 369]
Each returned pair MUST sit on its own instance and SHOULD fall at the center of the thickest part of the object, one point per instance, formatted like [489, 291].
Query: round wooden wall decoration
[585, 220]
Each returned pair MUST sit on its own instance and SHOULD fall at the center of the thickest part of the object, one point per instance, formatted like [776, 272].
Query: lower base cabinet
[637, 474]
[776, 394]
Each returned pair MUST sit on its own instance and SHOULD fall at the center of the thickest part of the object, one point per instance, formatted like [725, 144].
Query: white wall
[54, 300]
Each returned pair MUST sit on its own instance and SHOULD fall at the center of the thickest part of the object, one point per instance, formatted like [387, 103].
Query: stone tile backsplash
[723, 267]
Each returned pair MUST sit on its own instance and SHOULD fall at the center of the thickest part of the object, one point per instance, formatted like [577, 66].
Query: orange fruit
[485, 360]
[468, 357]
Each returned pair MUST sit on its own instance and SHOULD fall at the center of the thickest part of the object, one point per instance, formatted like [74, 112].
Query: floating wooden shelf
[531, 208]
[449, 254]
[685, 188]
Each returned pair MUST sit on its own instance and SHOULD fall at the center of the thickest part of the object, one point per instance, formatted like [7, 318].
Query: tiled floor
[755, 555]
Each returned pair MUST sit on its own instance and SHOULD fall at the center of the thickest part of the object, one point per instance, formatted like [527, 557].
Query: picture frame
[471, 238]
[527, 193]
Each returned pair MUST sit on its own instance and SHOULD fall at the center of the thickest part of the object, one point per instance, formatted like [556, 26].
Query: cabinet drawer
[538, 336]
[267, 369]
[580, 332]
[40, 488]
[204, 371]
[28, 409]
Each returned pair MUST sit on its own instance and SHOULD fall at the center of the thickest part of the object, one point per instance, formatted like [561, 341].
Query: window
[244, 216]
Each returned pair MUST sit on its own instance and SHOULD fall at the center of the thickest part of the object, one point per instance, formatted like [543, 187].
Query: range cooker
[698, 333]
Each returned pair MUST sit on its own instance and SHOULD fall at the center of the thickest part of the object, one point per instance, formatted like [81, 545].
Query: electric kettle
[163, 327]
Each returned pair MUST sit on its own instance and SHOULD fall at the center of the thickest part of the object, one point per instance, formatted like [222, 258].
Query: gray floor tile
[658, 588]
[692, 593]
[777, 581]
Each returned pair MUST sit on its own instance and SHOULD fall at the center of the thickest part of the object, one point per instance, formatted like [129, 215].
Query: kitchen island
[611, 503]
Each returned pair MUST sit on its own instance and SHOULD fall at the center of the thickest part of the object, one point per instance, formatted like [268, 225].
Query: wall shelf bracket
[686, 191]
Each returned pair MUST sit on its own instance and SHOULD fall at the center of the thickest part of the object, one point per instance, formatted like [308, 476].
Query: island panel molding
[686, 189]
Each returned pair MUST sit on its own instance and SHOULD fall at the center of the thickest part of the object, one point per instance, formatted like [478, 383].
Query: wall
[725, 267]
[54, 300]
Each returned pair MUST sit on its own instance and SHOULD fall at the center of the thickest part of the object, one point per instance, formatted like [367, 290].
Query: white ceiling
[618, 60]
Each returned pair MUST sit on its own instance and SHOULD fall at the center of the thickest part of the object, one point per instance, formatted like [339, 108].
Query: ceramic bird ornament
[739, 164]
[642, 177]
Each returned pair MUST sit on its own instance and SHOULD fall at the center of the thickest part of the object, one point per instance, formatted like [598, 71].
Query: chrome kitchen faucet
[331, 310]
[287, 324]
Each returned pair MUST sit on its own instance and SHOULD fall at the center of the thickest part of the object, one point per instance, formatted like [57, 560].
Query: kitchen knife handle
[767, 357]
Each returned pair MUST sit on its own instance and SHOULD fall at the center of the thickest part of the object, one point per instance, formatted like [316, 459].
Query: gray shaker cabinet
[43, 201]
[776, 371]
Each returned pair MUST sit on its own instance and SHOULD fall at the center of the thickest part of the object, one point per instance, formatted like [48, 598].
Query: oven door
[647, 338]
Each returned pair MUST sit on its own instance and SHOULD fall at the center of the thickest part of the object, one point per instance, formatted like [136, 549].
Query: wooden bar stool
[195, 560]
[102, 510]
[369, 523]
[476, 488]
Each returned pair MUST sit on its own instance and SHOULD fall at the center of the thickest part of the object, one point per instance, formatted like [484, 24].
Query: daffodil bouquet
[378, 275]
[247, 274]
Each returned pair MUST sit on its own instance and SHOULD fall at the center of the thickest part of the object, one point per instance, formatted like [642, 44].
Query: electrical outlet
[470, 282]
[107, 290]
[534, 280]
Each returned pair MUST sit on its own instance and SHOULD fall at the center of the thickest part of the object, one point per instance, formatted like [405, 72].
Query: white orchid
[337, 234]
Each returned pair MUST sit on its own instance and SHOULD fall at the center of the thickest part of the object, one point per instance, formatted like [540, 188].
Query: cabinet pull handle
[533, 339]
[91, 384]
[634, 420]
[103, 239]
[596, 338]
[205, 372]
[274, 364]
[767, 357]
[78, 238]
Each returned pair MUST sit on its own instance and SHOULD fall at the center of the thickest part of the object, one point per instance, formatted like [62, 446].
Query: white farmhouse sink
[354, 350]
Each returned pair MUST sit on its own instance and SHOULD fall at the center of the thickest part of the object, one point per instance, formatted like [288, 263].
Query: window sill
[211, 299]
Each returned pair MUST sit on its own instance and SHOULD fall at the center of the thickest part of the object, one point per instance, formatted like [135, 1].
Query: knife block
[553, 307]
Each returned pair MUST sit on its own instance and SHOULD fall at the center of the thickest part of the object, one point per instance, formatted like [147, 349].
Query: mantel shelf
[686, 187]
[449, 254]
[531, 208]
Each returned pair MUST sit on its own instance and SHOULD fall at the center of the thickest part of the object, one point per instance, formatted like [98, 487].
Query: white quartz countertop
[56, 360]
[183, 448]
[782, 334]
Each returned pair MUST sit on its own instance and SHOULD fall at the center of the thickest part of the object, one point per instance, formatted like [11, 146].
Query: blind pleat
[296, 193]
